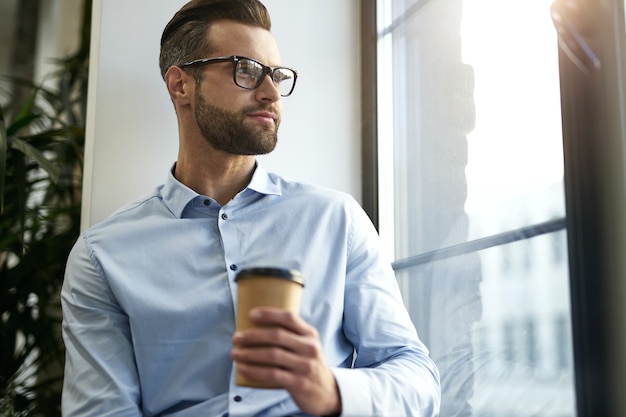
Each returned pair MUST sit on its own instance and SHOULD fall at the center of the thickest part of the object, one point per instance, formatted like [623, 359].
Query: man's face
[232, 119]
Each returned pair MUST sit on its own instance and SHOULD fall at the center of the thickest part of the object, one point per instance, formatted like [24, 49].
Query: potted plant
[41, 160]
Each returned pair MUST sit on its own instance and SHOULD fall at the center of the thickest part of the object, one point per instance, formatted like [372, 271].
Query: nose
[268, 91]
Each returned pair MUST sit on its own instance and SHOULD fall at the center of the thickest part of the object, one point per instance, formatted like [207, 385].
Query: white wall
[131, 128]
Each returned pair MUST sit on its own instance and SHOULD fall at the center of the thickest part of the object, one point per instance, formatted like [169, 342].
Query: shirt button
[207, 202]
[233, 267]
[238, 398]
[224, 216]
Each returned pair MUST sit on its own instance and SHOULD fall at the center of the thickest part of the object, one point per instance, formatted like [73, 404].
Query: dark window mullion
[482, 243]
[369, 112]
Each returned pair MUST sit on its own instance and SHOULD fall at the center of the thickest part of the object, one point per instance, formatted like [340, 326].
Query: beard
[227, 131]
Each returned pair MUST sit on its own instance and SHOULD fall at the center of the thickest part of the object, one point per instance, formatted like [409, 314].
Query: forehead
[228, 37]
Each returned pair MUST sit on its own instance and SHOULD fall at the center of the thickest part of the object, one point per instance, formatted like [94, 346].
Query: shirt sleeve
[393, 374]
[100, 371]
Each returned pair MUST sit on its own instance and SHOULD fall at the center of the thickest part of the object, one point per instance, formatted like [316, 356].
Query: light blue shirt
[148, 305]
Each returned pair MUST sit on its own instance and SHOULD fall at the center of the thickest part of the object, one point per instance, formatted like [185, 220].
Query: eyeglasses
[249, 73]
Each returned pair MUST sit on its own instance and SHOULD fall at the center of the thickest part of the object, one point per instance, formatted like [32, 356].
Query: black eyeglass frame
[234, 59]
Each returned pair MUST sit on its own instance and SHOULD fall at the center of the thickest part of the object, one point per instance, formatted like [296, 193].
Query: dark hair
[184, 37]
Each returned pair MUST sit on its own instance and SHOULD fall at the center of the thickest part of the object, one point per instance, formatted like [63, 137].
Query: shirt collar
[264, 183]
[177, 195]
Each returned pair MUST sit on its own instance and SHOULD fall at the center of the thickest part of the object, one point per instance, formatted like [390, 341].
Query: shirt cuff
[354, 392]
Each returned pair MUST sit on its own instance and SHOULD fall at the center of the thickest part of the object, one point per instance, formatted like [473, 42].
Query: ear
[180, 85]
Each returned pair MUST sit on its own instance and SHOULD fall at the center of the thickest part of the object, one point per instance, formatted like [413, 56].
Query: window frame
[595, 195]
[369, 110]
[594, 137]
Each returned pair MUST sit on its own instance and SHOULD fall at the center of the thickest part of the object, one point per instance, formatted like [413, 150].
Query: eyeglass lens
[249, 74]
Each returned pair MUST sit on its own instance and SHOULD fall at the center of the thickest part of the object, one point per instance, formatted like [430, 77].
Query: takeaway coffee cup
[267, 287]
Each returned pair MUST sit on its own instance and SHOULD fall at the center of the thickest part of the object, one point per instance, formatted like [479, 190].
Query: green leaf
[26, 109]
[22, 121]
[60, 133]
[20, 182]
[30, 151]
[3, 158]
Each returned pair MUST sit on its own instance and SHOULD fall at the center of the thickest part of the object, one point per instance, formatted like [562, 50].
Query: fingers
[274, 346]
[285, 351]
[267, 316]
[280, 348]
[273, 355]
[270, 364]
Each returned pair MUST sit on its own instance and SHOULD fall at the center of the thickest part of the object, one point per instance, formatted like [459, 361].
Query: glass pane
[518, 115]
[470, 145]
[497, 323]
[469, 121]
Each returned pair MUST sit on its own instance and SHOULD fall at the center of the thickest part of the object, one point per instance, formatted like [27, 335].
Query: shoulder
[305, 199]
[297, 189]
[147, 206]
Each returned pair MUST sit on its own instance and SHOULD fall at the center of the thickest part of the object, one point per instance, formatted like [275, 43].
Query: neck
[218, 175]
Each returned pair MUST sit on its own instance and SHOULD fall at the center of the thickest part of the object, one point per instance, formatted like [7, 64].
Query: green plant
[41, 159]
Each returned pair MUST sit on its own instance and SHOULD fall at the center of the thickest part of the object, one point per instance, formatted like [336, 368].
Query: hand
[286, 351]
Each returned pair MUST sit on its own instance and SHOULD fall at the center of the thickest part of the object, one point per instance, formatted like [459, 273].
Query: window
[470, 197]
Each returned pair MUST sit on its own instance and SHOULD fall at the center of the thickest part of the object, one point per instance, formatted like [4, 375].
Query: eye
[249, 69]
[282, 74]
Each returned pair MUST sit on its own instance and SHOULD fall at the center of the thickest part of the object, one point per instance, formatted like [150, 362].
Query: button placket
[231, 246]
[233, 267]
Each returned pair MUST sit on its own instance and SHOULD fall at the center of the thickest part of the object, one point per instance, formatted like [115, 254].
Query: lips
[263, 116]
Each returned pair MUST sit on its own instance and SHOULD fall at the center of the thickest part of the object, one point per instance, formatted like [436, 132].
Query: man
[149, 293]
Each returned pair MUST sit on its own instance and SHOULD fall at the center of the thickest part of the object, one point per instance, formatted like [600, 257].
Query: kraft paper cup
[267, 287]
